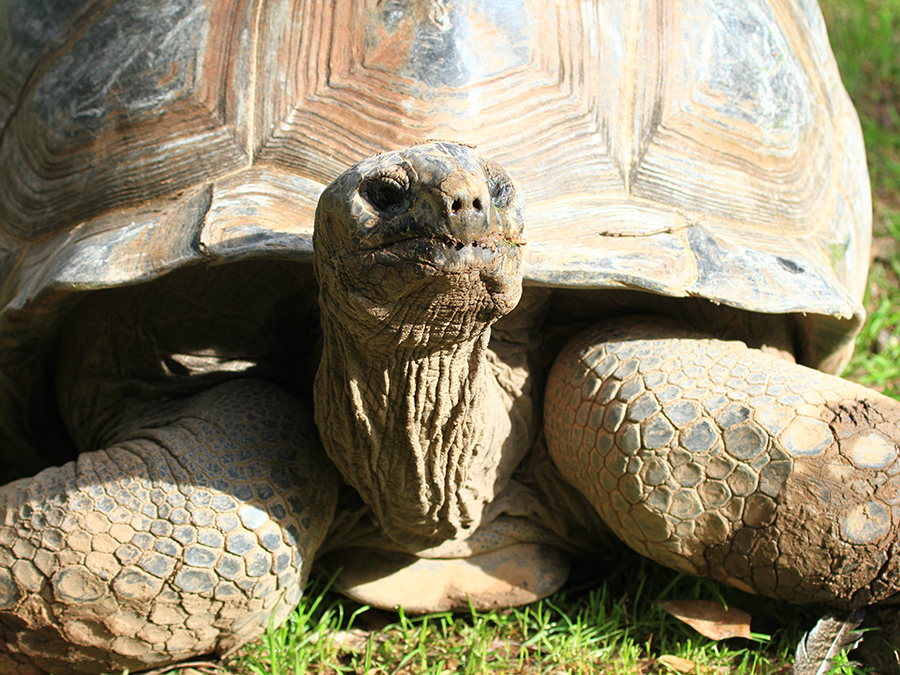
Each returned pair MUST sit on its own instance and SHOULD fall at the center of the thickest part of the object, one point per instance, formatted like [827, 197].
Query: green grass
[614, 628]
[618, 626]
[865, 36]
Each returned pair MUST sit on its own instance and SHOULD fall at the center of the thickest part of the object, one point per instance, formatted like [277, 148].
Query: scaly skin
[722, 461]
[183, 537]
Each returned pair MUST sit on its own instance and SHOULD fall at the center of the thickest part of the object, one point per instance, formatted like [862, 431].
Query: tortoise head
[427, 237]
[417, 253]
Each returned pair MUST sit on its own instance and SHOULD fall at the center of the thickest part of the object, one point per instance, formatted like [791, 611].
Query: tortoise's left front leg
[723, 461]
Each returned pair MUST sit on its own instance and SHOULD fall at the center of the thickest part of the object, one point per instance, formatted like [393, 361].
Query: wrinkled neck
[417, 426]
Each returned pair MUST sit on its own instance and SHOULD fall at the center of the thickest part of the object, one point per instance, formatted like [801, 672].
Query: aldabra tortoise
[224, 394]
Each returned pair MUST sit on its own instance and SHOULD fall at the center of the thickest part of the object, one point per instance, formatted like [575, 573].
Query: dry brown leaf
[710, 618]
[678, 663]
[688, 666]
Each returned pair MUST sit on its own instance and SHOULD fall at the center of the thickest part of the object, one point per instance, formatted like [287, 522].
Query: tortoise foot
[508, 577]
[723, 461]
[185, 538]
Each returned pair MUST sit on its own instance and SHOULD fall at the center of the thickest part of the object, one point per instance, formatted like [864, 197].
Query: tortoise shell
[704, 148]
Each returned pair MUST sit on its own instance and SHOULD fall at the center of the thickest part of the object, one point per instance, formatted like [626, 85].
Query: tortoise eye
[385, 193]
[501, 191]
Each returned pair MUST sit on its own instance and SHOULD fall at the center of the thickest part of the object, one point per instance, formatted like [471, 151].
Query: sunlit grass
[617, 627]
[865, 36]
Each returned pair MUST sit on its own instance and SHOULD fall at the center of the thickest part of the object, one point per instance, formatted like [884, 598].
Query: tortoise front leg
[186, 536]
[723, 461]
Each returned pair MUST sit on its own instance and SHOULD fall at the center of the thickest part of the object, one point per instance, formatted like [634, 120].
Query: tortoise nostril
[459, 204]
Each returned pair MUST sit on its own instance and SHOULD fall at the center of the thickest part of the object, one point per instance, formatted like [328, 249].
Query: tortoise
[447, 405]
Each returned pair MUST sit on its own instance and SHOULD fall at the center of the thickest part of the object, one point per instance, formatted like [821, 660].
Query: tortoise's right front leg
[187, 535]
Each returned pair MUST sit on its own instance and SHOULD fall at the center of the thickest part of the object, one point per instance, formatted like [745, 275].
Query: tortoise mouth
[445, 252]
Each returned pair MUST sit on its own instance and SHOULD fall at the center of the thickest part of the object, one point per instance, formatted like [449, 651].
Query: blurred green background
[865, 36]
